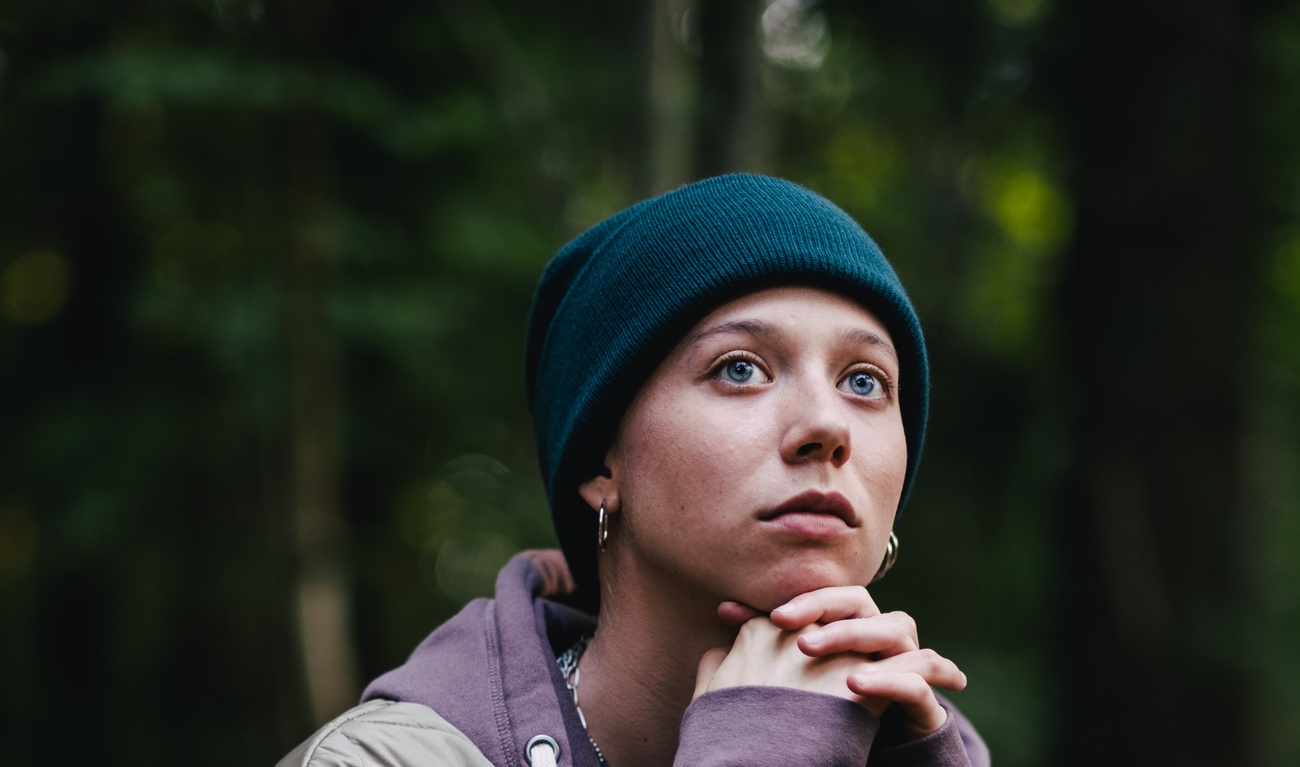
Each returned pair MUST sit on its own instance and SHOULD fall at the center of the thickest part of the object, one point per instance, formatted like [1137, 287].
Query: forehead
[791, 308]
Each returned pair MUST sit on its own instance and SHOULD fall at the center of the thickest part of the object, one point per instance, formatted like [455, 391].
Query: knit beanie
[617, 299]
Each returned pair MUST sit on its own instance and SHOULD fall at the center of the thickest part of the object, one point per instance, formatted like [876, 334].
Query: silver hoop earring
[602, 528]
[891, 556]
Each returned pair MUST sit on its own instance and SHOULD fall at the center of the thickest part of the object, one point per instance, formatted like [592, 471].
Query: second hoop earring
[602, 528]
[891, 556]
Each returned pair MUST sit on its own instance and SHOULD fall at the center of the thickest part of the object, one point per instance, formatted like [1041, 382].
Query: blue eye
[739, 371]
[862, 383]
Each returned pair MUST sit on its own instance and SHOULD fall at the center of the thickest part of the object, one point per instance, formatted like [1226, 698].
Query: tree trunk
[669, 99]
[732, 128]
[323, 593]
[1156, 296]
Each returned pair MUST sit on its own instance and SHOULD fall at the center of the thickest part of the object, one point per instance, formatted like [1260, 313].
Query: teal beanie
[615, 301]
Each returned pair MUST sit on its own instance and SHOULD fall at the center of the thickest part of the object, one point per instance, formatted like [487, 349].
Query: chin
[786, 583]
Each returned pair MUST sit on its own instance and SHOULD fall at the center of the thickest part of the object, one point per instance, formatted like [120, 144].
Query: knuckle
[921, 691]
[904, 620]
[933, 661]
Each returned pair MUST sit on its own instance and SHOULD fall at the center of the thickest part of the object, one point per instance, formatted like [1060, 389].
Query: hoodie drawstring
[542, 751]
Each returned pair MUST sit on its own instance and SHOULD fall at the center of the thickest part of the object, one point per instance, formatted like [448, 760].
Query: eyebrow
[761, 329]
[867, 338]
[756, 328]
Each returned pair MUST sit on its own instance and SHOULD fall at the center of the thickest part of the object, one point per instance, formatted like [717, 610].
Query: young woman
[729, 387]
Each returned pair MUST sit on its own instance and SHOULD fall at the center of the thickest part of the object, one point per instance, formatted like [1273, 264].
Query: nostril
[838, 455]
[809, 448]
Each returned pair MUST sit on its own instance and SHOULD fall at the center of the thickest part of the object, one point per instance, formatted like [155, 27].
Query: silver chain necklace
[569, 668]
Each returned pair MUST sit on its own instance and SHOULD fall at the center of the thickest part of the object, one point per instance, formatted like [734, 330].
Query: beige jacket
[384, 733]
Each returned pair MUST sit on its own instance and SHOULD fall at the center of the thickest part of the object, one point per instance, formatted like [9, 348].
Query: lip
[815, 502]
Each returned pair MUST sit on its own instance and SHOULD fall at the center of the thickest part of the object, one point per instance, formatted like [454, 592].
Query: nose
[817, 426]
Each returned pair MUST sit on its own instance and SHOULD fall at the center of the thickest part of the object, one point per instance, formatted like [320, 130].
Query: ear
[602, 488]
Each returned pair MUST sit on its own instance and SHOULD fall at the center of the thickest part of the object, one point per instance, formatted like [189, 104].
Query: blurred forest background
[265, 267]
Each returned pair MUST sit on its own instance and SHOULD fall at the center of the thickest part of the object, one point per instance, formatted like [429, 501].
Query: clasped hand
[835, 641]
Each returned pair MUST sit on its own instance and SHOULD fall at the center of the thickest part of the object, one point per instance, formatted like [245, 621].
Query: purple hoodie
[491, 672]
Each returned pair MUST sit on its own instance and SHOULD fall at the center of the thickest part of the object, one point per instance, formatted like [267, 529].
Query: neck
[638, 673]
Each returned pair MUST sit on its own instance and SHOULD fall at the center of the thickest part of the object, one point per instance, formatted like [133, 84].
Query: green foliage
[208, 208]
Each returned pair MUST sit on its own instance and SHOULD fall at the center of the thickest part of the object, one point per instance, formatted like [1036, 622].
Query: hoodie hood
[491, 672]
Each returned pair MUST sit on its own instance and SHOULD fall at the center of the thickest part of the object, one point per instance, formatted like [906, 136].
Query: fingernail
[814, 638]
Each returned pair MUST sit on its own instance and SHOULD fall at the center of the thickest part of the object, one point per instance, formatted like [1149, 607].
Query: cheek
[884, 453]
[664, 457]
[683, 453]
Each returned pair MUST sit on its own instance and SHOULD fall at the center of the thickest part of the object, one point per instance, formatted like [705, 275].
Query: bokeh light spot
[34, 287]
[1017, 13]
[1031, 211]
[18, 541]
[794, 35]
[467, 564]
[1286, 268]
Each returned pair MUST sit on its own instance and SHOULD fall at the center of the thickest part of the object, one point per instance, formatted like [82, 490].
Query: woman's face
[764, 458]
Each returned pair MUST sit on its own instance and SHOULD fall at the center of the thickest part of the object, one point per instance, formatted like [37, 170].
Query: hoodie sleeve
[944, 746]
[775, 726]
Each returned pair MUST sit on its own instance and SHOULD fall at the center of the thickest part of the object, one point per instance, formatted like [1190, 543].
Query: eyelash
[718, 371]
[886, 383]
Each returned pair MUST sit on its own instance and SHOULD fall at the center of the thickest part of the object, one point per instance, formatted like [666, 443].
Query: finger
[833, 603]
[921, 709]
[735, 614]
[709, 664]
[930, 666]
[882, 635]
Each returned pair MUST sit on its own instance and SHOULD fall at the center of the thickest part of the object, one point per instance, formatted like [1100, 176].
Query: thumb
[709, 664]
[735, 614]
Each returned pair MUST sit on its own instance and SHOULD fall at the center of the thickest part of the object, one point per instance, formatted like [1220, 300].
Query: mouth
[816, 502]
